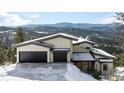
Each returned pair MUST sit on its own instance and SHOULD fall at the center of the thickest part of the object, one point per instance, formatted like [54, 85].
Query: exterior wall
[60, 42]
[33, 47]
[97, 66]
[107, 74]
[81, 47]
[51, 56]
[71, 49]
[87, 66]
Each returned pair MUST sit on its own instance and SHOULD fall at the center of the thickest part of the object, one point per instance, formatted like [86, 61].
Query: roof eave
[40, 44]
[93, 43]
[104, 55]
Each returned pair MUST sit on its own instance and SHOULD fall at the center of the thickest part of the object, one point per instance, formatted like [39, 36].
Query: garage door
[60, 56]
[37, 57]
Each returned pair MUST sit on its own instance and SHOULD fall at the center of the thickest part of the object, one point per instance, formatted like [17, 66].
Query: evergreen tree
[10, 55]
[120, 59]
[120, 18]
[2, 53]
[20, 35]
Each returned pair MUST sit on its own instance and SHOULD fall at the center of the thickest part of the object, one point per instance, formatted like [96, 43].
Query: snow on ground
[119, 73]
[42, 71]
[73, 73]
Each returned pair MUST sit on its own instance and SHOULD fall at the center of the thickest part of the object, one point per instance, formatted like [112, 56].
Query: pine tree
[20, 35]
[120, 18]
[2, 53]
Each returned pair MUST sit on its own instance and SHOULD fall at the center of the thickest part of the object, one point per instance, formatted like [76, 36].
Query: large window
[104, 67]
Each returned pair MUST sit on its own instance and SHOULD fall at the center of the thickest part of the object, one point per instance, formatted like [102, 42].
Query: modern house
[66, 48]
[53, 48]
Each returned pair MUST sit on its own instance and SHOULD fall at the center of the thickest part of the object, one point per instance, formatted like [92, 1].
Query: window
[87, 47]
[104, 67]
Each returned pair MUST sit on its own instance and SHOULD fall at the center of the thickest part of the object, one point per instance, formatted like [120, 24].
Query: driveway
[37, 71]
[43, 72]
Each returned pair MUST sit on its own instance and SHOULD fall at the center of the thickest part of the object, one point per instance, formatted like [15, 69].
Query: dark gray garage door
[60, 56]
[38, 57]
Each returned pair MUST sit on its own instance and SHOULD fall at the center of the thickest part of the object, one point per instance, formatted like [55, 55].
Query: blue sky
[22, 18]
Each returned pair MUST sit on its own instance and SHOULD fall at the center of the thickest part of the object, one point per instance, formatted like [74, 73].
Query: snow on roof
[36, 43]
[106, 60]
[101, 52]
[82, 57]
[61, 49]
[81, 40]
[46, 37]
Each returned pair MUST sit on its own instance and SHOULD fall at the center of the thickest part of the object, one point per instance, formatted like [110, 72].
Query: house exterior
[66, 48]
[82, 56]
[89, 58]
[53, 48]
[104, 62]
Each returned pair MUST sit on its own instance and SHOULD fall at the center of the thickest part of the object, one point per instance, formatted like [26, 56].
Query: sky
[23, 18]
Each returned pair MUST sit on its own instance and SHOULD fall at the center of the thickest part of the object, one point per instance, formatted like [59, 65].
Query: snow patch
[119, 73]
[47, 72]
[73, 73]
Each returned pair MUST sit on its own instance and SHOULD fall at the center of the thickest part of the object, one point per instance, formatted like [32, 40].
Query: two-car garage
[33, 53]
[33, 56]
[41, 57]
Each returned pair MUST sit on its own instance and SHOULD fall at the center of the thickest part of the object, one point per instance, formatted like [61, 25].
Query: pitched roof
[82, 40]
[101, 52]
[82, 57]
[49, 37]
[36, 43]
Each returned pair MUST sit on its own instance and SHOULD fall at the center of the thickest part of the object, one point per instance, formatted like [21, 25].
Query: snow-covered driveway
[43, 71]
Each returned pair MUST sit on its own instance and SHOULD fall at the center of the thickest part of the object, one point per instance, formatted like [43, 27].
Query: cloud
[34, 16]
[7, 19]
[108, 19]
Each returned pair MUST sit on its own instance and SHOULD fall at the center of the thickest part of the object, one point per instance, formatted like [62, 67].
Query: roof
[61, 49]
[82, 57]
[106, 60]
[83, 40]
[49, 37]
[101, 52]
[36, 43]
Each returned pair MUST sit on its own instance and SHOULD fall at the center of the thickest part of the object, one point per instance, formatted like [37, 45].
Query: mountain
[66, 25]
[100, 27]
[102, 34]
[5, 28]
[78, 29]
